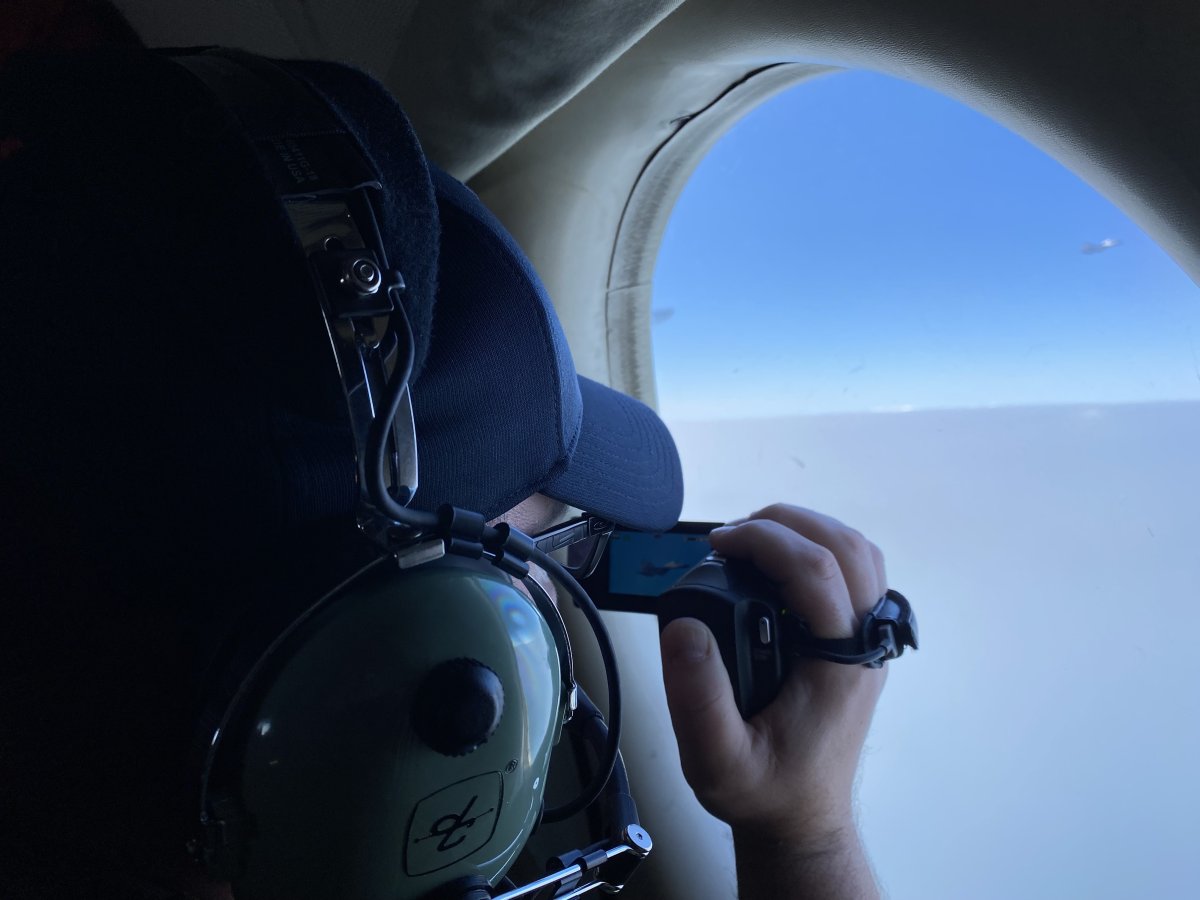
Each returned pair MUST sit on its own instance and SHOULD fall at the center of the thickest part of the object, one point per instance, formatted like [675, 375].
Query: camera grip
[742, 610]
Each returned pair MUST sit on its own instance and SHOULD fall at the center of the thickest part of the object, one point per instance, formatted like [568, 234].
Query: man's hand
[784, 779]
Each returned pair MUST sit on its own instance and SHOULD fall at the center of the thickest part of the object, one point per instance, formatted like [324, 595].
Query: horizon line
[906, 409]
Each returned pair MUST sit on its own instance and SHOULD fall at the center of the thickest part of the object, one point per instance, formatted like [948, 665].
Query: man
[176, 453]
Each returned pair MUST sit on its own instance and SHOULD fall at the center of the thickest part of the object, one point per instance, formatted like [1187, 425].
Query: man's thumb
[713, 741]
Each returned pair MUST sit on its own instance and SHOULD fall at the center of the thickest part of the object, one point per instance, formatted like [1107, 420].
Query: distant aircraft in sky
[1106, 244]
[660, 315]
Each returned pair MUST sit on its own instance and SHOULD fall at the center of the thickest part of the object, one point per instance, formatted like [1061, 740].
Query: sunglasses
[578, 545]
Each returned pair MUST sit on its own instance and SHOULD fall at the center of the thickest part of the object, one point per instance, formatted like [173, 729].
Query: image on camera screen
[647, 564]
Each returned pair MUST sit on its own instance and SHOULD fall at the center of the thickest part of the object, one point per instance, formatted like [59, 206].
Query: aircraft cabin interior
[580, 125]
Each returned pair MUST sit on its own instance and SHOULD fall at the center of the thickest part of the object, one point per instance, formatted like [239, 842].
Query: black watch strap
[885, 631]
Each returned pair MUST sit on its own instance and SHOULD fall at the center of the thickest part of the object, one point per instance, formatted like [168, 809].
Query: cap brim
[625, 466]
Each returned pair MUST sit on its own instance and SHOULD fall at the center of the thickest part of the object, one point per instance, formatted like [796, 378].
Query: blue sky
[859, 243]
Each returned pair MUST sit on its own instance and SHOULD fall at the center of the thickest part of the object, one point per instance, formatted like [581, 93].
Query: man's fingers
[861, 561]
[714, 744]
[809, 575]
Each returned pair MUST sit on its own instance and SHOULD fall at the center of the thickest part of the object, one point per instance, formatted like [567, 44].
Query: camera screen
[647, 564]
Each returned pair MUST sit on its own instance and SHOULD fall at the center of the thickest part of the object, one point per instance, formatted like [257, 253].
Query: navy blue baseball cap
[142, 217]
[500, 411]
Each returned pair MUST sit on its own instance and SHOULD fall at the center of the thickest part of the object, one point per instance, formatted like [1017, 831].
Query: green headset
[392, 740]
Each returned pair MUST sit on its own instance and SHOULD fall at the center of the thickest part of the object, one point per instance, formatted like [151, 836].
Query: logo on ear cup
[449, 825]
[453, 823]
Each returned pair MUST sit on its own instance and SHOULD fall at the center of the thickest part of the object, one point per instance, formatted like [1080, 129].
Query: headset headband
[322, 180]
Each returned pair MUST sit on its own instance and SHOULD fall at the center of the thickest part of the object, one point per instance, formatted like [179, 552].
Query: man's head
[178, 452]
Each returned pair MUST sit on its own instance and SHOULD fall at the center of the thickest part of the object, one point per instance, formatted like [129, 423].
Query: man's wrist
[809, 859]
[801, 839]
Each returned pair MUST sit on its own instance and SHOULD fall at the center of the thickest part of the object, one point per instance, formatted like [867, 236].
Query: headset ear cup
[319, 756]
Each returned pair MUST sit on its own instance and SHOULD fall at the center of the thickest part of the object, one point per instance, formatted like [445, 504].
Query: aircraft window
[878, 303]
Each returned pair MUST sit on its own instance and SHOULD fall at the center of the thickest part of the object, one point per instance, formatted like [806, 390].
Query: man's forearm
[831, 867]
